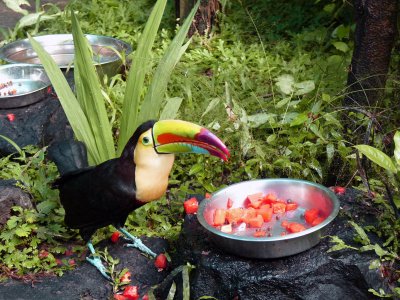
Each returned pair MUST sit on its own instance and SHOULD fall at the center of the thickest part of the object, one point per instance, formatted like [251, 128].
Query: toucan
[102, 195]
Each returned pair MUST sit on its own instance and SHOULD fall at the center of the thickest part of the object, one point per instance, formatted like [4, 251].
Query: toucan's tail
[68, 155]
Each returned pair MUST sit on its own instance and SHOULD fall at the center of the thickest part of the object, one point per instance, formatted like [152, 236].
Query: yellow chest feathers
[151, 173]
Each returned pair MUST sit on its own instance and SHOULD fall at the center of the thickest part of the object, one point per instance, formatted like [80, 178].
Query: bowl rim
[3, 49]
[46, 83]
[329, 219]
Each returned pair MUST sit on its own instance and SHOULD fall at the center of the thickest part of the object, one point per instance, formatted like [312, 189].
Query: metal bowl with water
[106, 51]
[22, 84]
[306, 194]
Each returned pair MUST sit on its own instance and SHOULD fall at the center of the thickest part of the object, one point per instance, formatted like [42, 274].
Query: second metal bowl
[22, 84]
[61, 47]
[306, 194]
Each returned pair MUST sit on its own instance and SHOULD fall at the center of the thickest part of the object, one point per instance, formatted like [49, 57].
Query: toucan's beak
[176, 136]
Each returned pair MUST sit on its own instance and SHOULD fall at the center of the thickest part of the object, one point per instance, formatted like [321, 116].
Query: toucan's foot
[136, 243]
[96, 262]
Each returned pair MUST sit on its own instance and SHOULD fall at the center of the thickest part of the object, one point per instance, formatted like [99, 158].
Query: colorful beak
[176, 136]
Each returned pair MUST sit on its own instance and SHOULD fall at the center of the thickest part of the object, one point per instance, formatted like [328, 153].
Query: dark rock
[313, 274]
[38, 124]
[85, 282]
[11, 195]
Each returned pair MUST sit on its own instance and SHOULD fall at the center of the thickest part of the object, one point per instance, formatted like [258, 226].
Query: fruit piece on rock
[160, 262]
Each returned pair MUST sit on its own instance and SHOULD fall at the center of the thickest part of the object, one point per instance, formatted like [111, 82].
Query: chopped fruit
[295, 227]
[339, 190]
[131, 292]
[256, 222]
[270, 198]
[226, 228]
[248, 214]
[229, 203]
[317, 221]
[160, 262]
[260, 233]
[291, 206]
[234, 215]
[255, 200]
[310, 215]
[279, 207]
[126, 278]
[283, 233]
[285, 224]
[219, 217]
[115, 236]
[191, 205]
[266, 212]
[11, 117]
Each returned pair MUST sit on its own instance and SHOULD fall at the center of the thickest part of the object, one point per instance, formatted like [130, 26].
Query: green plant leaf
[341, 46]
[19, 150]
[285, 84]
[378, 157]
[69, 103]
[364, 239]
[88, 89]
[172, 291]
[15, 5]
[141, 65]
[396, 140]
[304, 87]
[171, 108]
[155, 95]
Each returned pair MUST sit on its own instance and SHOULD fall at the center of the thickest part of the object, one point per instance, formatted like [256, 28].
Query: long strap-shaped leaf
[89, 94]
[150, 108]
[141, 64]
[69, 103]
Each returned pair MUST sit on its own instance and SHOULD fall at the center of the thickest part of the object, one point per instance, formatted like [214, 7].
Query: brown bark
[205, 17]
[376, 29]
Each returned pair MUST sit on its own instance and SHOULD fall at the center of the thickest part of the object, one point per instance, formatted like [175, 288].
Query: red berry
[207, 195]
[71, 262]
[11, 117]
[145, 297]
[115, 236]
[131, 292]
[161, 262]
[126, 278]
[191, 205]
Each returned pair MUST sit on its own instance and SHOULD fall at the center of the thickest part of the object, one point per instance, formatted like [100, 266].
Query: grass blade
[69, 103]
[141, 65]
[88, 88]
[154, 97]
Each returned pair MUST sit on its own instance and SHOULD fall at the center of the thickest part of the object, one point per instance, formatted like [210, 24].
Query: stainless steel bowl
[29, 82]
[61, 47]
[305, 193]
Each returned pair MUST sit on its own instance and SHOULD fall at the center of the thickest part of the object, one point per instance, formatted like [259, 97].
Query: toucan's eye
[146, 140]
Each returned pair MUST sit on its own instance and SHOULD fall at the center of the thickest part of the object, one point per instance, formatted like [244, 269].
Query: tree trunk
[376, 29]
[205, 17]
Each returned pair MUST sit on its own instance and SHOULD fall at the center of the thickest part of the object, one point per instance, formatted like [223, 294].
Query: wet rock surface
[85, 282]
[313, 274]
[38, 124]
[11, 195]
